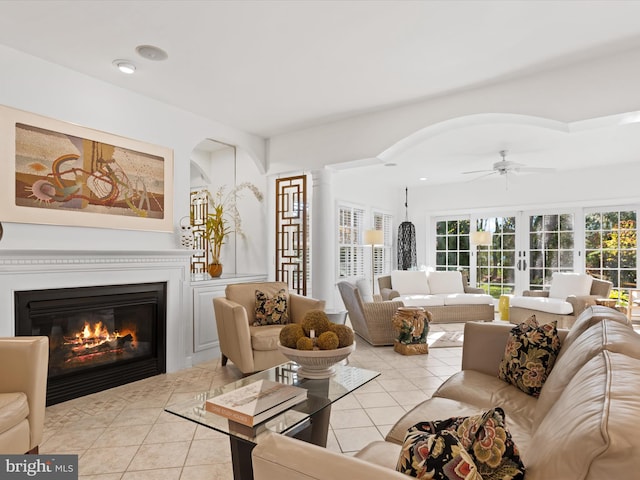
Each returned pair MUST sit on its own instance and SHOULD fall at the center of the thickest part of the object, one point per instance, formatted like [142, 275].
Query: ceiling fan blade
[535, 169]
[481, 176]
[478, 171]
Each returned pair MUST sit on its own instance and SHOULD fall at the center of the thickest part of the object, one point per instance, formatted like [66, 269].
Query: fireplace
[99, 337]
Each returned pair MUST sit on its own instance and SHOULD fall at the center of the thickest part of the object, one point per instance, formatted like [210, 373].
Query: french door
[526, 248]
[496, 264]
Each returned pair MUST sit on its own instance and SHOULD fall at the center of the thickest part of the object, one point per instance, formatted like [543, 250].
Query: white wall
[33, 85]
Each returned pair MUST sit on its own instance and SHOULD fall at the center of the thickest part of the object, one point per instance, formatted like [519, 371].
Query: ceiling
[270, 67]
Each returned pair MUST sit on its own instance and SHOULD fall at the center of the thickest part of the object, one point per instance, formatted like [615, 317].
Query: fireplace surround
[100, 336]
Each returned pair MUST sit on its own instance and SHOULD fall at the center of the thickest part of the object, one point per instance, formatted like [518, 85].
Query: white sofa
[445, 294]
[583, 426]
[568, 296]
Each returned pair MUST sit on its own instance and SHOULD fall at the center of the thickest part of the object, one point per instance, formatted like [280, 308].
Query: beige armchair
[370, 320]
[254, 348]
[24, 362]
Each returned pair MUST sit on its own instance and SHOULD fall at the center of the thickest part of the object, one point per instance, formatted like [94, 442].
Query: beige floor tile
[332, 442]
[158, 399]
[171, 432]
[429, 391]
[220, 471]
[385, 415]
[428, 381]
[372, 387]
[384, 429]
[350, 418]
[137, 416]
[106, 460]
[157, 474]
[205, 433]
[391, 374]
[122, 436]
[166, 417]
[346, 403]
[159, 455]
[370, 400]
[104, 476]
[443, 371]
[354, 439]
[70, 439]
[206, 452]
[409, 397]
[394, 385]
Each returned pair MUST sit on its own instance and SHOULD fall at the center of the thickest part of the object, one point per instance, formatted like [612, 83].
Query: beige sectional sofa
[445, 294]
[583, 426]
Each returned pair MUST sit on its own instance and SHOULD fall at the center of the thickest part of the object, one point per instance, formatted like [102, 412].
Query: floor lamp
[373, 238]
[480, 238]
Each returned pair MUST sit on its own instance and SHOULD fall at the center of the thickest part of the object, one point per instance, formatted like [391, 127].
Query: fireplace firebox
[99, 337]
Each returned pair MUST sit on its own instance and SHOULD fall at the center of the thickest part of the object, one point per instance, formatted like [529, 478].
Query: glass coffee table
[307, 421]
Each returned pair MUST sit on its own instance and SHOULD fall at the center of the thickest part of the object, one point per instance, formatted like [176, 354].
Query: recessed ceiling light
[125, 66]
[422, 179]
[151, 53]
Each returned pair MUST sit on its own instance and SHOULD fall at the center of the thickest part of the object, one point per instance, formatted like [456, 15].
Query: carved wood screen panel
[199, 211]
[292, 232]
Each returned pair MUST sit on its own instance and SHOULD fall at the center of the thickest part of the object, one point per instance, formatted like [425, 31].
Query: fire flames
[96, 339]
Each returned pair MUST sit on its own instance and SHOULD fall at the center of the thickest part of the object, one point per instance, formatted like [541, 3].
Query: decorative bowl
[316, 363]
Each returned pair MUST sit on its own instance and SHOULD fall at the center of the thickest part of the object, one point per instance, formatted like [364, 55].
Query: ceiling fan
[504, 166]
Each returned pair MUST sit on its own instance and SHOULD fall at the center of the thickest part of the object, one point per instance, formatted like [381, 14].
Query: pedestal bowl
[317, 363]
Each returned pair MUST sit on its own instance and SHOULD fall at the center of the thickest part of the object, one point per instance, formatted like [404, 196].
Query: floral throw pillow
[271, 310]
[438, 456]
[486, 440]
[529, 355]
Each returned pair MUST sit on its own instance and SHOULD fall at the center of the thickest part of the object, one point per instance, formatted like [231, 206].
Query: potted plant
[224, 218]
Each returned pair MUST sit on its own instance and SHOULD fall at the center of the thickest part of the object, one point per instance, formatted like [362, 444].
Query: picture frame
[60, 173]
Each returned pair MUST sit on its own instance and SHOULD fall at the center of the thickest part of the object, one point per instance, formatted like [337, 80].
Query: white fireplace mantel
[45, 269]
[61, 257]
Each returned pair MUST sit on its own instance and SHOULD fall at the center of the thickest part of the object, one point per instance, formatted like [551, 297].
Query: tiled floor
[125, 434]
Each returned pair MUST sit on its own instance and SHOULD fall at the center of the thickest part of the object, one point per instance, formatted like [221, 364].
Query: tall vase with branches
[223, 219]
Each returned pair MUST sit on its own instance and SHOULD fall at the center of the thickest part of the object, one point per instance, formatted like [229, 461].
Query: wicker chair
[370, 320]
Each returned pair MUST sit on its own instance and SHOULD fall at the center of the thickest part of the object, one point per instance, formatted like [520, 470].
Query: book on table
[256, 402]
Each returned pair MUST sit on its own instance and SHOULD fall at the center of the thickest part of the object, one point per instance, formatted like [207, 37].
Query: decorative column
[323, 240]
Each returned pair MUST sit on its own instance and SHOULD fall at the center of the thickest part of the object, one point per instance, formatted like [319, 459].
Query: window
[496, 264]
[527, 247]
[382, 259]
[611, 247]
[452, 244]
[351, 250]
[551, 247]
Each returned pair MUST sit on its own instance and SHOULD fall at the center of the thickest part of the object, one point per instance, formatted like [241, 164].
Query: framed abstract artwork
[60, 173]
